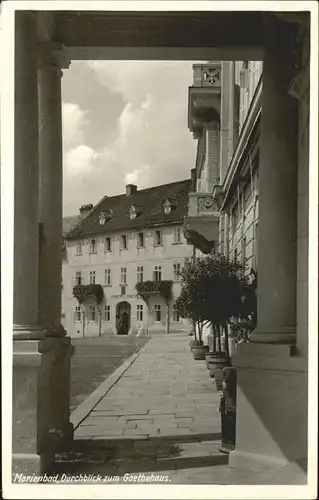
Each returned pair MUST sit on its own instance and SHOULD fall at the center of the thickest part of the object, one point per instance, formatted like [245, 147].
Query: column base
[284, 335]
[29, 464]
[37, 332]
[269, 470]
[272, 406]
[41, 399]
[28, 332]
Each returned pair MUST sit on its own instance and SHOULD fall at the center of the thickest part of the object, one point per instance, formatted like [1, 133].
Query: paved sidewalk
[159, 413]
[164, 393]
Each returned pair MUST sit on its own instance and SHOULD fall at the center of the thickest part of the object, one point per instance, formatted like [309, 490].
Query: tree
[214, 290]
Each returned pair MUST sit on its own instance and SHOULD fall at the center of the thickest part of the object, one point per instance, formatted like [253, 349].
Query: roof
[69, 222]
[150, 210]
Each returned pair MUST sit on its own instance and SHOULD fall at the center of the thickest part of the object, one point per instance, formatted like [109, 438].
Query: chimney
[193, 178]
[130, 189]
[85, 209]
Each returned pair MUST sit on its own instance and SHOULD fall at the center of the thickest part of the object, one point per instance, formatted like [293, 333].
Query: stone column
[26, 228]
[277, 224]
[51, 61]
[271, 420]
[41, 365]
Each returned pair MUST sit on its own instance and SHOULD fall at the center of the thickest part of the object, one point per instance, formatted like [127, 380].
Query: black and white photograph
[159, 249]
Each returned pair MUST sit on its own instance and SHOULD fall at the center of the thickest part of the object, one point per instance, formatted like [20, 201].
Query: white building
[125, 239]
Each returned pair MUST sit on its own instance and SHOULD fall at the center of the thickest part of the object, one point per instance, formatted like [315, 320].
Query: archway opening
[123, 318]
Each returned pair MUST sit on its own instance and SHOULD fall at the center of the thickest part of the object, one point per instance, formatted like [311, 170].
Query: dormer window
[105, 216]
[167, 207]
[132, 212]
[102, 218]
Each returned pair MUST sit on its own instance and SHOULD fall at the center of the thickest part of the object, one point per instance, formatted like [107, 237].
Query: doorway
[123, 318]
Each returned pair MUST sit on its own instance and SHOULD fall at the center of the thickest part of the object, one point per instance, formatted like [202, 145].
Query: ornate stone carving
[212, 76]
[196, 239]
[207, 204]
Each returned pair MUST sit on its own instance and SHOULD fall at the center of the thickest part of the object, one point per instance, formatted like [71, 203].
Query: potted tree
[187, 305]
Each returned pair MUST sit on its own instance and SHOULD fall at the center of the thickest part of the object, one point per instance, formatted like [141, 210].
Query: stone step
[144, 456]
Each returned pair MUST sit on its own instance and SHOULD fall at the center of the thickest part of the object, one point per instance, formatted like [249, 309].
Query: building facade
[223, 214]
[124, 240]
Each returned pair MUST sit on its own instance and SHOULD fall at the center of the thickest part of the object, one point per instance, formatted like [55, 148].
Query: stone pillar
[41, 365]
[271, 422]
[277, 223]
[50, 184]
[211, 166]
[26, 227]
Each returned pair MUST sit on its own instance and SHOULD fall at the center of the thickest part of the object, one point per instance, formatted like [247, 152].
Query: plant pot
[191, 343]
[219, 365]
[214, 361]
[199, 352]
[210, 355]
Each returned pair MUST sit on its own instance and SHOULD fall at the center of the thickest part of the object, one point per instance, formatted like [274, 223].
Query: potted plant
[187, 305]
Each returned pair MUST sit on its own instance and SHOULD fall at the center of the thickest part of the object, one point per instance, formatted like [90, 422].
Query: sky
[124, 122]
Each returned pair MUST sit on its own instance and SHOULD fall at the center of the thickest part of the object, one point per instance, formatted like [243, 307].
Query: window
[256, 246]
[234, 219]
[157, 273]
[139, 312]
[78, 278]
[92, 313]
[123, 289]
[177, 270]
[132, 212]
[177, 235]
[107, 313]
[243, 250]
[77, 313]
[158, 238]
[102, 219]
[167, 207]
[176, 316]
[107, 244]
[93, 246]
[107, 277]
[123, 275]
[158, 312]
[123, 242]
[140, 240]
[92, 277]
[78, 249]
[140, 273]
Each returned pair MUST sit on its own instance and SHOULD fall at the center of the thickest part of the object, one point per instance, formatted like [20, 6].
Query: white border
[7, 86]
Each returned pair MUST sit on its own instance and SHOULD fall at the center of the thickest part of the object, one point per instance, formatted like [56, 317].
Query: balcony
[201, 226]
[163, 288]
[88, 292]
[204, 96]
